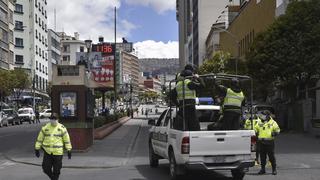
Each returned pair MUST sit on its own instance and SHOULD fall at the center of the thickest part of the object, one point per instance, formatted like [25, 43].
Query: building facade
[130, 69]
[6, 34]
[31, 40]
[254, 16]
[54, 51]
[70, 45]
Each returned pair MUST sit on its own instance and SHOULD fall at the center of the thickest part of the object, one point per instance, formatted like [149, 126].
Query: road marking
[6, 164]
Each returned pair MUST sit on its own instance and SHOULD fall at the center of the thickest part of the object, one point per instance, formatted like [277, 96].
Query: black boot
[262, 170]
[274, 171]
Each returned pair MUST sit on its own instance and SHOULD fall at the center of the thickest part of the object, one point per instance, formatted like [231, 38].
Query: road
[298, 158]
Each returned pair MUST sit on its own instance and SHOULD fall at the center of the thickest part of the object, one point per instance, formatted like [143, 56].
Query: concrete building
[195, 19]
[31, 43]
[70, 46]
[153, 84]
[54, 51]
[130, 69]
[254, 16]
[6, 34]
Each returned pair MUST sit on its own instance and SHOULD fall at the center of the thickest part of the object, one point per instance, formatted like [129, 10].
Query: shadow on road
[162, 173]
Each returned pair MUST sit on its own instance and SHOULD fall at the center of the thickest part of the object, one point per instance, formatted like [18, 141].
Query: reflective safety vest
[188, 93]
[264, 130]
[233, 99]
[53, 139]
[247, 124]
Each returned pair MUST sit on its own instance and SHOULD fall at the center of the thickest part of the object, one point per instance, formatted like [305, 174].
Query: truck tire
[1, 124]
[173, 167]
[237, 174]
[153, 160]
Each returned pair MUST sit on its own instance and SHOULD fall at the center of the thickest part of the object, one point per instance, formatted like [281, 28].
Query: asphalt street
[298, 158]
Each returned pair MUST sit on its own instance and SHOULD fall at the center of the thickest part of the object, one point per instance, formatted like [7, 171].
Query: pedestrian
[266, 131]
[53, 138]
[37, 116]
[185, 95]
[232, 105]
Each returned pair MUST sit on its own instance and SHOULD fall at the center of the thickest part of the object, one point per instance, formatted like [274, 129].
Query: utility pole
[131, 89]
[114, 61]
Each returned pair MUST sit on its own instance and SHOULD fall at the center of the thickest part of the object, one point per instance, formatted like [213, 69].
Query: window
[4, 35]
[43, 68]
[42, 39]
[36, 49]
[46, 55]
[39, 22]
[81, 49]
[66, 48]
[19, 9]
[19, 42]
[40, 67]
[66, 58]
[36, 17]
[42, 25]
[18, 25]
[37, 34]
[40, 52]
[43, 53]
[36, 81]
[37, 65]
[40, 80]
[46, 71]
[19, 59]
[45, 14]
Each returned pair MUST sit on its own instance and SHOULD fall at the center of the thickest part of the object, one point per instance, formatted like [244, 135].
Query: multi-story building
[195, 19]
[153, 84]
[130, 68]
[70, 46]
[6, 34]
[31, 40]
[54, 51]
[254, 16]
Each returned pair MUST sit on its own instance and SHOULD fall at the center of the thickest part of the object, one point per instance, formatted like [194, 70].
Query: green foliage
[103, 120]
[219, 62]
[289, 51]
[13, 81]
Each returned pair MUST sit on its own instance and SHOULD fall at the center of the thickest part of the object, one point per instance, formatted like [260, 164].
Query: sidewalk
[113, 151]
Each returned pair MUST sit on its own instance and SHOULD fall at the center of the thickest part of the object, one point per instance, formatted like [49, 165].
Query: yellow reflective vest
[247, 124]
[188, 93]
[264, 130]
[233, 99]
[53, 139]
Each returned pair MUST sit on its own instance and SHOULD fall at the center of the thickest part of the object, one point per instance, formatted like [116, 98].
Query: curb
[101, 132]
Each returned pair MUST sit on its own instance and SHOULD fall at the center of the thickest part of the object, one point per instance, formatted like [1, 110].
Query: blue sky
[150, 25]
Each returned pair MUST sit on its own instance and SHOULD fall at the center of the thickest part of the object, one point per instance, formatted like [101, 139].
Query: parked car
[12, 116]
[46, 113]
[27, 115]
[3, 119]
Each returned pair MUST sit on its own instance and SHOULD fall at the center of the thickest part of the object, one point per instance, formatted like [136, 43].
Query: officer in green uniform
[266, 131]
[53, 138]
[232, 105]
[185, 95]
[247, 125]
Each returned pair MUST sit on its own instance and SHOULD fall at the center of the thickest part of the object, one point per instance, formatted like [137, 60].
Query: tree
[5, 84]
[20, 80]
[219, 62]
[289, 51]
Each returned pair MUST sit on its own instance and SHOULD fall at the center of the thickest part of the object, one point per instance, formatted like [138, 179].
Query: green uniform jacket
[267, 130]
[53, 139]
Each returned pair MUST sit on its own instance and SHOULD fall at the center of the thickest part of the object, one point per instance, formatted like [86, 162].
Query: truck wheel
[237, 174]
[173, 167]
[1, 124]
[153, 160]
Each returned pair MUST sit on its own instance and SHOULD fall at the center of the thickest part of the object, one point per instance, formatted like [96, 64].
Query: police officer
[266, 131]
[53, 138]
[247, 125]
[232, 105]
[185, 94]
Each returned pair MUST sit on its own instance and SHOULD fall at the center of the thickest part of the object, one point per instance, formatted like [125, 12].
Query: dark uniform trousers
[52, 165]
[230, 120]
[191, 120]
[267, 148]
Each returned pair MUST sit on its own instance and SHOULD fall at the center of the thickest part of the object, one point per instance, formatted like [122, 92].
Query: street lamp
[234, 37]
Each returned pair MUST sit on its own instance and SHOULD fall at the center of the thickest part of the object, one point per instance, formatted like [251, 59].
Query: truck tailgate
[211, 143]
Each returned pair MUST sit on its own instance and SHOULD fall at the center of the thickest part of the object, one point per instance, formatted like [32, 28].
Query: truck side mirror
[152, 122]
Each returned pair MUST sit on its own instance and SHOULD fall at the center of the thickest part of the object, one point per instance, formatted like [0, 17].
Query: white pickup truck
[200, 150]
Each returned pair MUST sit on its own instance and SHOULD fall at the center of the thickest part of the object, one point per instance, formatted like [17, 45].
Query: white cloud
[90, 18]
[153, 49]
[160, 6]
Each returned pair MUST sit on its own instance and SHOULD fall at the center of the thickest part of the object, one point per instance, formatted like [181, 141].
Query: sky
[150, 24]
